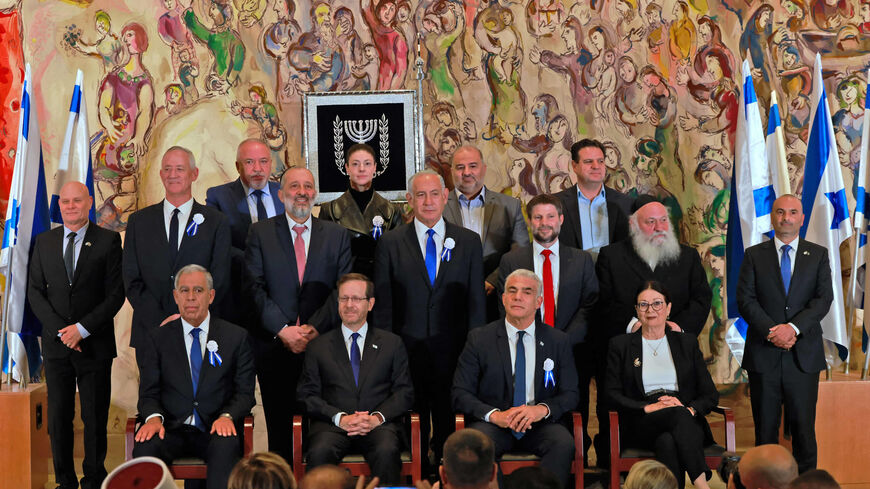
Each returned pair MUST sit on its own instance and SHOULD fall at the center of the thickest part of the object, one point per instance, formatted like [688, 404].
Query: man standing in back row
[784, 292]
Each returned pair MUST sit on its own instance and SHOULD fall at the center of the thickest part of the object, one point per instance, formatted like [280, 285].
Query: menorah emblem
[362, 131]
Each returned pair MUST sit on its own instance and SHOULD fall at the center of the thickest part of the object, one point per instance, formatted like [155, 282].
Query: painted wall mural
[656, 80]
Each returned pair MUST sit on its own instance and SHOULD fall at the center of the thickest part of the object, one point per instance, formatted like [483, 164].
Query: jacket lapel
[564, 267]
[214, 334]
[84, 253]
[612, 212]
[542, 350]
[276, 200]
[413, 250]
[677, 356]
[342, 360]
[284, 238]
[238, 194]
[186, 239]
[369, 355]
[572, 211]
[162, 242]
[488, 209]
[504, 353]
[315, 243]
[451, 210]
[182, 357]
[772, 258]
[635, 353]
[350, 216]
[801, 257]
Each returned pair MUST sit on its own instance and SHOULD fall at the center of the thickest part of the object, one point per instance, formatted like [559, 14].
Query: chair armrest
[129, 438]
[730, 427]
[416, 454]
[579, 463]
[460, 422]
[249, 436]
[298, 469]
[614, 437]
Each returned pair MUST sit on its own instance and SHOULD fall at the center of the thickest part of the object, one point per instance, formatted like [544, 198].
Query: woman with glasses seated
[658, 382]
[361, 210]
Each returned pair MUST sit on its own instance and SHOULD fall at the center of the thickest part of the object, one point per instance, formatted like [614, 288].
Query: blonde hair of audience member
[650, 474]
[262, 470]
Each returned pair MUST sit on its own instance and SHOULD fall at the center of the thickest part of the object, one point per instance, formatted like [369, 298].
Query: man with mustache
[294, 261]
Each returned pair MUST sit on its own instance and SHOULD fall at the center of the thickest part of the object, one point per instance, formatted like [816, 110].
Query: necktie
[299, 248]
[785, 267]
[261, 208]
[354, 357]
[549, 296]
[431, 258]
[195, 368]
[68, 255]
[520, 377]
[173, 236]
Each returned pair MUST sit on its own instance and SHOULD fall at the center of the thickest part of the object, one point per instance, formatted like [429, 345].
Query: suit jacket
[327, 386]
[274, 280]
[764, 303]
[410, 306]
[94, 297]
[344, 211]
[149, 276]
[618, 210]
[578, 287]
[504, 227]
[621, 272]
[165, 385]
[484, 381]
[624, 381]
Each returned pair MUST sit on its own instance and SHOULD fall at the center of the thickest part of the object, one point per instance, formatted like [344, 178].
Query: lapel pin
[549, 378]
[213, 357]
[194, 225]
[542, 343]
[87, 243]
[375, 347]
[447, 252]
[637, 362]
[806, 252]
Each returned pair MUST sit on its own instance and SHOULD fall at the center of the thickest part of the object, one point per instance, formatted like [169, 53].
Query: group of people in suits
[359, 315]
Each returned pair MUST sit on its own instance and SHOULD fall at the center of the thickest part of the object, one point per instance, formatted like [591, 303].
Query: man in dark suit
[75, 290]
[249, 198]
[515, 379]
[356, 387]
[784, 291]
[570, 285]
[595, 215]
[293, 261]
[195, 389]
[429, 288]
[495, 217]
[164, 237]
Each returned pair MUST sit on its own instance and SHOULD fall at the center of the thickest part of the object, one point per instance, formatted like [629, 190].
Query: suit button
[195, 404]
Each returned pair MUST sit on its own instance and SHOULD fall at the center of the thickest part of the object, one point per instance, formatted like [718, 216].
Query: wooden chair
[356, 463]
[190, 467]
[512, 461]
[621, 459]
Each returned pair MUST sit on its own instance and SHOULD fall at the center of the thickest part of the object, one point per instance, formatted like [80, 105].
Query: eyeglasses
[352, 300]
[656, 305]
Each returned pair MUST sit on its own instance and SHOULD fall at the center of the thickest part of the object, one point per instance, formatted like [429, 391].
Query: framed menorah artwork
[386, 121]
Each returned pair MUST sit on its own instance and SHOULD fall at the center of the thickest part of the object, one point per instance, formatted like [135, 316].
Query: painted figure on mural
[831, 15]
[798, 15]
[628, 23]
[264, 114]
[848, 119]
[631, 108]
[441, 24]
[125, 110]
[366, 73]
[544, 17]
[616, 177]
[107, 47]
[352, 47]
[756, 38]
[657, 45]
[250, 11]
[317, 57]
[227, 49]
[391, 44]
[277, 38]
[682, 35]
[500, 42]
[697, 76]
[522, 180]
[722, 100]
[647, 163]
[176, 35]
[661, 110]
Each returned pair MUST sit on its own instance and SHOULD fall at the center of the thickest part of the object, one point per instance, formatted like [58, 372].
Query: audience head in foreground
[469, 461]
[767, 467]
[650, 474]
[262, 470]
[327, 477]
[814, 479]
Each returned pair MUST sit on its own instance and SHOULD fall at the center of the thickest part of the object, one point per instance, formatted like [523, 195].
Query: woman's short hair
[262, 470]
[650, 474]
[656, 286]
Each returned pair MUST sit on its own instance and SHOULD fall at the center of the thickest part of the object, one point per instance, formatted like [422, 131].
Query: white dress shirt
[306, 235]
[268, 203]
[554, 266]
[77, 249]
[440, 229]
[472, 211]
[792, 253]
[183, 216]
[658, 370]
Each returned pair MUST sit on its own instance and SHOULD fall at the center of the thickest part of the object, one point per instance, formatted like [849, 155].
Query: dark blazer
[483, 380]
[624, 381]
[621, 272]
[578, 287]
[148, 275]
[165, 385]
[327, 386]
[274, 281]
[408, 305]
[344, 211]
[231, 199]
[618, 210]
[763, 303]
[93, 299]
[504, 227]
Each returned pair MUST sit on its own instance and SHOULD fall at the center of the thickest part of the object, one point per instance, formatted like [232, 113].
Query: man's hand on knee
[150, 428]
[223, 426]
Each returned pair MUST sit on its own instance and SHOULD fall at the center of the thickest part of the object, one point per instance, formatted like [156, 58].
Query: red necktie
[549, 297]
[299, 248]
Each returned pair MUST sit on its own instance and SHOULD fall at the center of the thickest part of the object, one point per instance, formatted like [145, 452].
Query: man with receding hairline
[767, 467]
[469, 461]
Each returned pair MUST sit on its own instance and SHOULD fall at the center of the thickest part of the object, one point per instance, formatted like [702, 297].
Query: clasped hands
[782, 336]
[296, 338]
[70, 337]
[665, 402]
[519, 418]
[223, 426]
[359, 423]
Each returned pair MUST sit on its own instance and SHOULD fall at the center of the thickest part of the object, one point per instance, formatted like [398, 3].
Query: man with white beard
[652, 252]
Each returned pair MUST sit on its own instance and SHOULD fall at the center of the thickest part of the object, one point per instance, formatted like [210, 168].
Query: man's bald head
[327, 477]
[75, 204]
[767, 467]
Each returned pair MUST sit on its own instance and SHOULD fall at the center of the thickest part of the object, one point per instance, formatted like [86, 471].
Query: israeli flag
[826, 220]
[752, 196]
[775, 144]
[75, 157]
[862, 225]
[26, 216]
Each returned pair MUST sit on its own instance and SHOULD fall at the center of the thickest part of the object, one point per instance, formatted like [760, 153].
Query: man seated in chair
[356, 387]
[516, 379]
[196, 384]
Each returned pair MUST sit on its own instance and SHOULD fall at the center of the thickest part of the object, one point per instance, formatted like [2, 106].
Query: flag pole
[853, 281]
[782, 162]
[5, 329]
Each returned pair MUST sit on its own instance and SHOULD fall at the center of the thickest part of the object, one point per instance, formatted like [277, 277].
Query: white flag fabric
[775, 153]
[862, 224]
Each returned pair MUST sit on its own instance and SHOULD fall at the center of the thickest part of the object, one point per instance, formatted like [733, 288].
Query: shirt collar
[778, 243]
[184, 208]
[346, 332]
[249, 191]
[581, 196]
[537, 248]
[187, 327]
[512, 331]
[479, 197]
[79, 234]
[292, 223]
[421, 228]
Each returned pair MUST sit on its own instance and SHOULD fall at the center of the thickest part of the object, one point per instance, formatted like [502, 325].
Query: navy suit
[231, 199]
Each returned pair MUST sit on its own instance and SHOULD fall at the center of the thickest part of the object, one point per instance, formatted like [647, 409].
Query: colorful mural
[656, 80]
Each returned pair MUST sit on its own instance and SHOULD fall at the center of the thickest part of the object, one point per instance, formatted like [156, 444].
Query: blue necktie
[354, 357]
[785, 267]
[261, 208]
[520, 377]
[431, 258]
[195, 368]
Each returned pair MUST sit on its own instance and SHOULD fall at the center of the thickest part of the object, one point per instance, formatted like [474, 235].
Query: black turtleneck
[363, 198]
